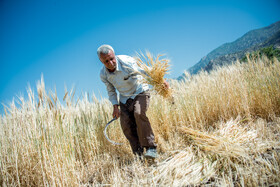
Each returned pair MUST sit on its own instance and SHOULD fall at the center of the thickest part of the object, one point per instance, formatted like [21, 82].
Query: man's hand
[116, 112]
[166, 84]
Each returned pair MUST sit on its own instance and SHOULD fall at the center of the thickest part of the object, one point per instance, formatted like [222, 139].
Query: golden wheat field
[223, 129]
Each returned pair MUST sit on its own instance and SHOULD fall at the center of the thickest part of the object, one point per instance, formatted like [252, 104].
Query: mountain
[230, 52]
[229, 58]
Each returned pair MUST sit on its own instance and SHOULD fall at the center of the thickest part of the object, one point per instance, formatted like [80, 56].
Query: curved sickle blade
[105, 133]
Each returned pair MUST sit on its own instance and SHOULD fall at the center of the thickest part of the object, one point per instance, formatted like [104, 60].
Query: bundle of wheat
[154, 71]
[185, 168]
[230, 140]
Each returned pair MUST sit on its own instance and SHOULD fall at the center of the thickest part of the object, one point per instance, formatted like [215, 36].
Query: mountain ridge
[252, 40]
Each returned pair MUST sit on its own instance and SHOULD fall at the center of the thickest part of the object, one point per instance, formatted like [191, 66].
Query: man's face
[109, 61]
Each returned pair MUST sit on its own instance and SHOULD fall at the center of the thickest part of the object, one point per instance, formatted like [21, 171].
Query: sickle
[105, 133]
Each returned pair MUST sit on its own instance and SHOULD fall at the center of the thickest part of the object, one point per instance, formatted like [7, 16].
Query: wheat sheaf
[155, 69]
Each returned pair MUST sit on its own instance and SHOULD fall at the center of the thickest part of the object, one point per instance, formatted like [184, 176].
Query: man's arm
[111, 90]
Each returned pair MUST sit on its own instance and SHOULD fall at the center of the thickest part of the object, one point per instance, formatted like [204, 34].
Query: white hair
[104, 49]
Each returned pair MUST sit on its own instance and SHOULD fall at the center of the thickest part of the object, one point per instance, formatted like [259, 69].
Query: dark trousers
[135, 123]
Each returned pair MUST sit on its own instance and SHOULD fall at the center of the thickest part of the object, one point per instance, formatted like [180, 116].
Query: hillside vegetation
[223, 129]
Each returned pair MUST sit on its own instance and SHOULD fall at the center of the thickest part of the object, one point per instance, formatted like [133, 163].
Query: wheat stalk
[155, 69]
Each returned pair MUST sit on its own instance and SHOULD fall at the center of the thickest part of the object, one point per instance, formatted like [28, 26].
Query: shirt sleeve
[111, 90]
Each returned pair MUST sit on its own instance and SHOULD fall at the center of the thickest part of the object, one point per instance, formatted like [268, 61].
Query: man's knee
[138, 112]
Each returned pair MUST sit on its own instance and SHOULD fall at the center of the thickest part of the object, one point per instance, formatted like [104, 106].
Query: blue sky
[59, 38]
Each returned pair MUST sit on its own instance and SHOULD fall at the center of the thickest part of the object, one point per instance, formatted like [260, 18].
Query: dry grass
[223, 130]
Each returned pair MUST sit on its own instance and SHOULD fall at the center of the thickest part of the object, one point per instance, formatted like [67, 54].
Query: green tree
[270, 52]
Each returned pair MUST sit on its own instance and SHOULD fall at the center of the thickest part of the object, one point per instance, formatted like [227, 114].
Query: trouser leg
[129, 128]
[144, 129]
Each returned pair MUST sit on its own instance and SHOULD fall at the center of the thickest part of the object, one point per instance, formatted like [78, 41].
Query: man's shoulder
[125, 58]
[126, 61]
